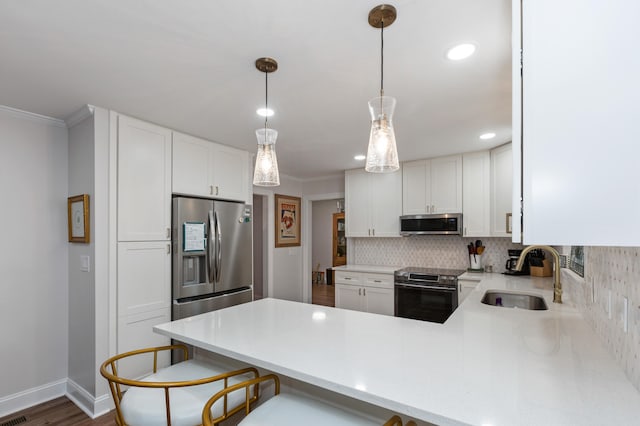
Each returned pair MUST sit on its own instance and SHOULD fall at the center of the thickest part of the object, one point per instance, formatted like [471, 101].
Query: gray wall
[322, 234]
[33, 255]
[82, 284]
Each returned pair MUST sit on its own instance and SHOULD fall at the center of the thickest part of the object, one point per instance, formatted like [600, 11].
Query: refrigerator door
[233, 260]
[191, 259]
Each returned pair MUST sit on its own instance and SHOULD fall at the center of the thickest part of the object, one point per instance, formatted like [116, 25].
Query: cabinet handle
[369, 232]
[210, 189]
[168, 248]
[364, 291]
[465, 230]
[359, 292]
[374, 232]
[217, 190]
[168, 232]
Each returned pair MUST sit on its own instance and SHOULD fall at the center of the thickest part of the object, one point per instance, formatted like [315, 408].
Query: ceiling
[189, 65]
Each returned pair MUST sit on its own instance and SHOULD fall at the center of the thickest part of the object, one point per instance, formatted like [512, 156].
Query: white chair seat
[146, 406]
[288, 409]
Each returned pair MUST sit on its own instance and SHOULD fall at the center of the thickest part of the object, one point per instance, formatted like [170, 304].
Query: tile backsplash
[437, 251]
[615, 271]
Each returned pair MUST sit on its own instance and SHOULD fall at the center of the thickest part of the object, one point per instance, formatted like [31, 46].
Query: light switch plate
[84, 263]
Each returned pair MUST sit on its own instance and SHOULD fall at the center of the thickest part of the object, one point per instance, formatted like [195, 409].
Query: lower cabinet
[367, 292]
[464, 288]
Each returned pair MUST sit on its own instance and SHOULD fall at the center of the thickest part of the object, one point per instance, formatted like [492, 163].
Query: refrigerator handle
[218, 247]
[210, 249]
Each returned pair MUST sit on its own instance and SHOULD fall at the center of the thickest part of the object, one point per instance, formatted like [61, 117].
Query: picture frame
[287, 220]
[508, 225]
[78, 218]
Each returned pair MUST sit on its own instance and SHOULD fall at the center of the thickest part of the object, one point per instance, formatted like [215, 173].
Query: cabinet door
[476, 194]
[446, 184]
[191, 168]
[357, 202]
[580, 129]
[144, 277]
[386, 204]
[349, 297]
[379, 300]
[230, 173]
[136, 332]
[464, 288]
[416, 188]
[144, 181]
[501, 189]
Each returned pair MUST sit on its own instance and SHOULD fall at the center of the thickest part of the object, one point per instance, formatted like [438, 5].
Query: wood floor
[59, 411]
[322, 294]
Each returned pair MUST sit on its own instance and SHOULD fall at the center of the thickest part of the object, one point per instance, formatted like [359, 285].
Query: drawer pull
[377, 281]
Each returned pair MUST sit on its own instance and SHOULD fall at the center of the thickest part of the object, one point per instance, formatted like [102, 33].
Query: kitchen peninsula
[486, 365]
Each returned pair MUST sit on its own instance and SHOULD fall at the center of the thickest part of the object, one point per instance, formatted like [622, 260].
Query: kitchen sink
[514, 300]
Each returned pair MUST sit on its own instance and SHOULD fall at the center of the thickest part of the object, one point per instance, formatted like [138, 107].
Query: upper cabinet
[432, 186]
[144, 181]
[579, 116]
[501, 190]
[476, 188]
[208, 169]
[373, 204]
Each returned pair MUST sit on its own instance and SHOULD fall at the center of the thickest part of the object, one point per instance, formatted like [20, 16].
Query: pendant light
[266, 171]
[382, 153]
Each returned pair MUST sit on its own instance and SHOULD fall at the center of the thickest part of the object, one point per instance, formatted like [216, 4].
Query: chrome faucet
[557, 286]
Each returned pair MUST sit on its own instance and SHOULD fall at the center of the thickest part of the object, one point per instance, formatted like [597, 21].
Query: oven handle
[426, 287]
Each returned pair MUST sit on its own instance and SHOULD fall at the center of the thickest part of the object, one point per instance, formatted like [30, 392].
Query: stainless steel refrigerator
[212, 255]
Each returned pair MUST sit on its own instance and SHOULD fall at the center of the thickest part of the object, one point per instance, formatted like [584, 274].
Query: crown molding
[32, 116]
[78, 116]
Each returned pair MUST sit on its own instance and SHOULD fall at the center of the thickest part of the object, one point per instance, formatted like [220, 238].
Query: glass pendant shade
[266, 171]
[382, 153]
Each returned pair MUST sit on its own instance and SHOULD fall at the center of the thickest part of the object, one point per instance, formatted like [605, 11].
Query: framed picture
[509, 226]
[287, 221]
[78, 212]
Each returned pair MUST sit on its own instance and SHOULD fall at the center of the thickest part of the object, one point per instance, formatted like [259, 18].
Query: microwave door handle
[211, 249]
[218, 247]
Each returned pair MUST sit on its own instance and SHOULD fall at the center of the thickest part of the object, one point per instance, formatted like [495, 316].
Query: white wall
[33, 256]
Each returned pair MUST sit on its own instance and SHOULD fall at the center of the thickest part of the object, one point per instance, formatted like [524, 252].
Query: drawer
[353, 278]
[377, 280]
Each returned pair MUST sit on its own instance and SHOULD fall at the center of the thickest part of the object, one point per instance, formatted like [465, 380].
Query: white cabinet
[144, 181]
[367, 292]
[501, 189]
[432, 186]
[373, 204]
[579, 122]
[208, 169]
[464, 288]
[476, 187]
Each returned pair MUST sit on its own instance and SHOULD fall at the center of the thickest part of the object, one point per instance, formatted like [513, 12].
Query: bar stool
[286, 409]
[173, 395]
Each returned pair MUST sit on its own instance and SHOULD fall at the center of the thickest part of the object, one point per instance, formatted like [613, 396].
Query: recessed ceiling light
[264, 112]
[360, 157]
[461, 51]
[489, 135]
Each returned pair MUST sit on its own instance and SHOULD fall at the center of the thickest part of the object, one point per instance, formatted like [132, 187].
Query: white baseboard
[92, 407]
[30, 397]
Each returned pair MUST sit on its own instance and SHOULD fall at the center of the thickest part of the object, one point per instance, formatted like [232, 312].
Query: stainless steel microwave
[431, 224]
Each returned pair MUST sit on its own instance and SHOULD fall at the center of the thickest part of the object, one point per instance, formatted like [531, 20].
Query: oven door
[424, 302]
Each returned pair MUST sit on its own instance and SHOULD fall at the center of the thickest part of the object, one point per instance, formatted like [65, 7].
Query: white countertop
[368, 268]
[485, 366]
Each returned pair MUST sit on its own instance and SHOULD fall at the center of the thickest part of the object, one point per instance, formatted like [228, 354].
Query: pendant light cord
[266, 101]
[381, 58]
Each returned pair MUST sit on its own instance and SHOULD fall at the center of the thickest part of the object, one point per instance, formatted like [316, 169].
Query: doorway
[322, 288]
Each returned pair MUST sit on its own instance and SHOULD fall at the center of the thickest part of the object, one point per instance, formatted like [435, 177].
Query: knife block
[542, 271]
